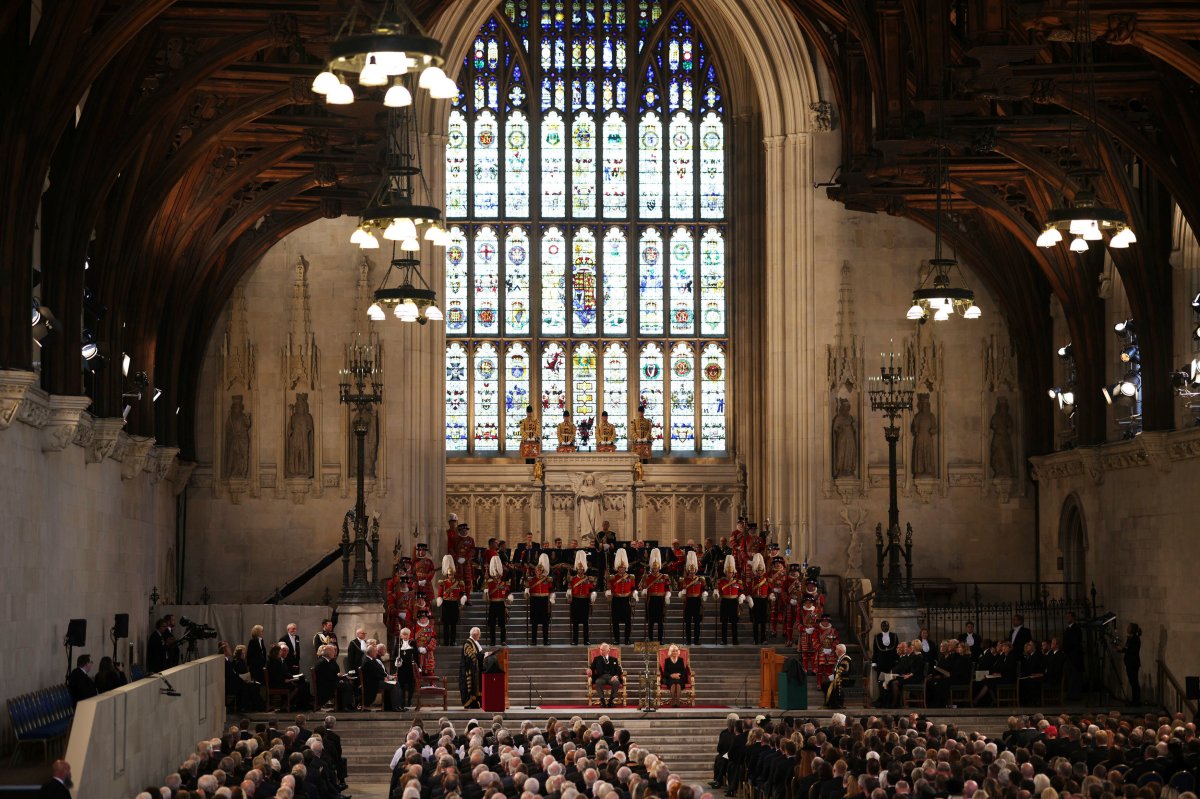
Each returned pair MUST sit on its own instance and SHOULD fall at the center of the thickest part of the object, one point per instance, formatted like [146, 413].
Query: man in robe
[470, 672]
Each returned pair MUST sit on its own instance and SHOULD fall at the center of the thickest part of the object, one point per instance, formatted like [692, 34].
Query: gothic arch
[1073, 540]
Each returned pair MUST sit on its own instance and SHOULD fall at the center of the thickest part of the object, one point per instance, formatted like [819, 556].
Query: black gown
[470, 675]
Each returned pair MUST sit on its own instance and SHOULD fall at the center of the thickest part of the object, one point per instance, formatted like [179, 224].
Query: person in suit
[156, 649]
[972, 640]
[356, 650]
[883, 648]
[1020, 634]
[724, 744]
[606, 673]
[325, 637]
[292, 639]
[327, 676]
[59, 785]
[79, 682]
[1072, 648]
[910, 670]
[256, 653]
[1005, 670]
[373, 676]
[1131, 651]
[279, 675]
[406, 671]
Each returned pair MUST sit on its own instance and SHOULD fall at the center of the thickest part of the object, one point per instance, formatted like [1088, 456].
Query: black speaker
[1192, 687]
[77, 632]
[121, 625]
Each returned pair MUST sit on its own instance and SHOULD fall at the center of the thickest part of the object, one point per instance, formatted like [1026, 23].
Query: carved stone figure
[298, 456]
[236, 464]
[1002, 440]
[924, 446]
[370, 446]
[845, 441]
[589, 501]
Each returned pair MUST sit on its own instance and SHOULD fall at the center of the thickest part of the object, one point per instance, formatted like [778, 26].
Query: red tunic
[759, 588]
[497, 589]
[541, 586]
[426, 636]
[807, 635]
[656, 584]
[693, 585]
[826, 657]
[424, 573]
[582, 586]
[451, 589]
[729, 587]
[621, 585]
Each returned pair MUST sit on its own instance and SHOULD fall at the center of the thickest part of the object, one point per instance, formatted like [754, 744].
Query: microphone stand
[745, 684]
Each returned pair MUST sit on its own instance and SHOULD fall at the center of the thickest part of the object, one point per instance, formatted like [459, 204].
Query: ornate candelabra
[892, 394]
[361, 387]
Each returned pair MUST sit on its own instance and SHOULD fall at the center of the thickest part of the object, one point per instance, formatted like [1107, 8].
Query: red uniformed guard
[424, 573]
[729, 588]
[426, 641]
[693, 590]
[499, 597]
[623, 591]
[759, 589]
[541, 596]
[806, 634]
[656, 587]
[827, 641]
[780, 582]
[451, 594]
[581, 588]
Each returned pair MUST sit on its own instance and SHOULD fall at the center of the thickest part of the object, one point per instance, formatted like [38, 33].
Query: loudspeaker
[121, 625]
[77, 632]
[1192, 687]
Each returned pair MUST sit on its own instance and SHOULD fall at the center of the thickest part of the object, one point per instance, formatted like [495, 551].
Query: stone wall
[86, 536]
[1139, 544]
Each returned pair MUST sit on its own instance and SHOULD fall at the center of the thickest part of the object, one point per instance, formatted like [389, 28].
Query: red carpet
[634, 706]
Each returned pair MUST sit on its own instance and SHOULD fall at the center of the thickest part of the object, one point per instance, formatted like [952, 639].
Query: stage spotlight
[1124, 328]
[90, 348]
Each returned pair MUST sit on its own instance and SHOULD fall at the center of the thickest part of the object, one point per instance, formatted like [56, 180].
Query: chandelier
[935, 296]
[1084, 219]
[379, 53]
[411, 300]
[391, 211]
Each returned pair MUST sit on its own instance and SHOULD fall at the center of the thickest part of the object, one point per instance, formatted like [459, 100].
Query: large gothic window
[585, 190]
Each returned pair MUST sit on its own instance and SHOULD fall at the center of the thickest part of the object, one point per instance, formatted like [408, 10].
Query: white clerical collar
[886, 638]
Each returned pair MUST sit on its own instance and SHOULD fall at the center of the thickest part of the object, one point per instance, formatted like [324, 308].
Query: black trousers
[729, 618]
[691, 620]
[497, 616]
[581, 611]
[621, 614]
[539, 616]
[759, 615]
[656, 611]
[449, 621]
[1135, 686]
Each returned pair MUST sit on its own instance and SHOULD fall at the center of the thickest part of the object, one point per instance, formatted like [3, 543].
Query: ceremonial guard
[759, 589]
[622, 590]
[656, 587]
[426, 640]
[541, 596]
[641, 434]
[806, 635]
[606, 435]
[827, 642]
[795, 595]
[464, 558]
[499, 598]
[835, 693]
[737, 544]
[780, 583]
[582, 590]
[531, 435]
[397, 607]
[729, 588]
[424, 572]
[693, 590]
[812, 591]
[566, 433]
[326, 637]
[452, 533]
[451, 594]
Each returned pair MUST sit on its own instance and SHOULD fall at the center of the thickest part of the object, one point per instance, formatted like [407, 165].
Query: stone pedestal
[368, 615]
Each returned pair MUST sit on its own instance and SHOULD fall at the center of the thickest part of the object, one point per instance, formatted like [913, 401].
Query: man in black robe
[470, 672]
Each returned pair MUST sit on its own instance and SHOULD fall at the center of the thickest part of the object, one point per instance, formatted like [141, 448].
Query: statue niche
[236, 462]
[845, 441]
[924, 445]
[1001, 426]
[298, 460]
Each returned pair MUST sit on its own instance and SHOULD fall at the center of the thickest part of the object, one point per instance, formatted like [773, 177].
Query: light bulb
[325, 83]
[89, 351]
[430, 77]
[915, 312]
[393, 231]
[410, 245]
[406, 228]
[407, 311]
[433, 313]
[1078, 244]
[433, 233]
[972, 312]
[1053, 393]
[943, 314]
[1093, 233]
[444, 90]
[394, 63]
[1050, 236]
[358, 236]
[1068, 398]
[369, 242]
[1080, 226]
[375, 312]
[397, 97]
[342, 94]
[372, 74]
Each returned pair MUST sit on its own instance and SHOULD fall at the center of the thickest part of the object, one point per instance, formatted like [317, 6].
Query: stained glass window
[616, 389]
[516, 394]
[554, 390]
[587, 263]
[456, 397]
[486, 392]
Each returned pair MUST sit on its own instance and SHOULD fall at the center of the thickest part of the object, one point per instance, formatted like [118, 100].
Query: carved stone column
[63, 423]
[14, 384]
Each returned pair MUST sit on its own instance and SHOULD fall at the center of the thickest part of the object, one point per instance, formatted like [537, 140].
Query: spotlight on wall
[90, 348]
[1066, 351]
[1130, 354]
[125, 361]
[157, 394]
[1125, 328]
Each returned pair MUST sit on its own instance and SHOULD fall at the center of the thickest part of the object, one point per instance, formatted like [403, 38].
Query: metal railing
[992, 605]
[1171, 695]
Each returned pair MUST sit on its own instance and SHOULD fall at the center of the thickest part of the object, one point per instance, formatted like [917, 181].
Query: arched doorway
[1072, 543]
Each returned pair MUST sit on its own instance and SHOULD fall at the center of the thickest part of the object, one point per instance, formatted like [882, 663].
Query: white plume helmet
[757, 563]
[655, 559]
[580, 560]
[447, 564]
[496, 566]
[621, 560]
[453, 517]
[730, 564]
[544, 563]
[693, 562]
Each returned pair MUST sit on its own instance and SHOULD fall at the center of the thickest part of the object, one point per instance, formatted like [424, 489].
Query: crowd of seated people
[882, 757]
[562, 760]
[263, 761]
[981, 669]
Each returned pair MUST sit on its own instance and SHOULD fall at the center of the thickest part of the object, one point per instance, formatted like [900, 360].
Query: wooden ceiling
[171, 144]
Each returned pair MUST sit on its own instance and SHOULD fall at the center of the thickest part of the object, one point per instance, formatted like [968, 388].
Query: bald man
[59, 786]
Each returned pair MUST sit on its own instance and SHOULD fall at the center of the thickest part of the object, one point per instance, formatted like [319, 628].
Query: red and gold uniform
[795, 597]
[424, 574]
[731, 591]
[581, 586]
[692, 588]
[541, 590]
[464, 557]
[622, 586]
[780, 583]
[451, 592]
[827, 641]
[426, 642]
[655, 586]
[498, 591]
[806, 635]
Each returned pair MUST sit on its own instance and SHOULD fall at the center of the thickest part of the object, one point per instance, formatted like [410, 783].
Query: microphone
[170, 689]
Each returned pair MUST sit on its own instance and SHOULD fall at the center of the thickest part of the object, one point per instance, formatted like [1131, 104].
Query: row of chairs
[428, 685]
[687, 696]
[1040, 692]
[41, 717]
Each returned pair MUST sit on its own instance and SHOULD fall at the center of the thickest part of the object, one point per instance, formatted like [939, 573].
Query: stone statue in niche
[298, 460]
[924, 446]
[845, 441]
[589, 501]
[370, 446]
[236, 465]
[1002, 440]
